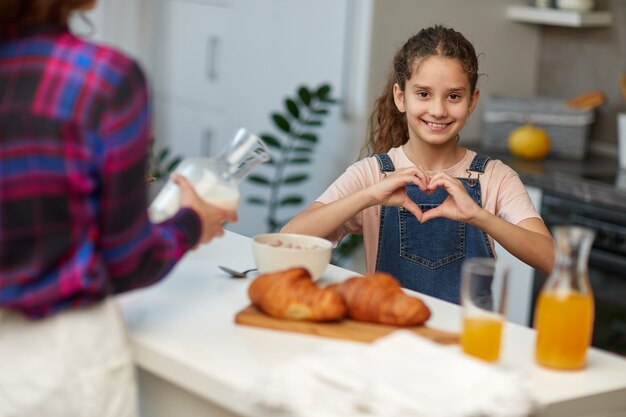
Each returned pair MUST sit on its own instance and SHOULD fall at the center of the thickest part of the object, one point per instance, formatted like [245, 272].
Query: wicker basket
[568, 128]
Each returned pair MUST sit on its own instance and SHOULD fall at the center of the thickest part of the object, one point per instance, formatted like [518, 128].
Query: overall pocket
[432, 244]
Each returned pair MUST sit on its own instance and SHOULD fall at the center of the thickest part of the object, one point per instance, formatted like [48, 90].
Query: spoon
[236, 274]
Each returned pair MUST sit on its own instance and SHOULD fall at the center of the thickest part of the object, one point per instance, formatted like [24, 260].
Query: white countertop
[183, 331]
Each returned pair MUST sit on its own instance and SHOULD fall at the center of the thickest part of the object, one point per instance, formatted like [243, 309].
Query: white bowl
[278, 251]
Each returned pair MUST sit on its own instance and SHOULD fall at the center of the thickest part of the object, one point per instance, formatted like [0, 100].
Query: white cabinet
[185, 63]
[188, 51]
[189, 130]
[521, 276]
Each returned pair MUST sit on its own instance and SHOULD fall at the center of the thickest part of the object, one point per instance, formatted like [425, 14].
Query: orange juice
[564, 324]
[481, 337]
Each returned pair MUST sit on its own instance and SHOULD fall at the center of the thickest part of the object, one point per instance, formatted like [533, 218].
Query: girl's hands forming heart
[457, 206]
[391, 191]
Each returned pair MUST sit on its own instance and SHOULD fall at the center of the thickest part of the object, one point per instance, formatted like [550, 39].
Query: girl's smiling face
[436, 99]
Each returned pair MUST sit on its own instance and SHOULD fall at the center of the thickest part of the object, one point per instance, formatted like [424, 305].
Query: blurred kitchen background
[216, 65]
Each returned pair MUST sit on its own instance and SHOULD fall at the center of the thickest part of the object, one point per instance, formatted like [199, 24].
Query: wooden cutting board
[344, 329]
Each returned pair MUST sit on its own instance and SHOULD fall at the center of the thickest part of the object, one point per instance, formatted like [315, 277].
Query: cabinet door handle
[212, 62]
[206, 144]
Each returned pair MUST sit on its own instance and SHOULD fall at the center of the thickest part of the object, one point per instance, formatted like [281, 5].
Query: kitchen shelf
[556, 17]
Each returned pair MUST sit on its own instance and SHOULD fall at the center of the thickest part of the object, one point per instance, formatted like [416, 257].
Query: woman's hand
[391, 191]
[212, 217]
[459, 205]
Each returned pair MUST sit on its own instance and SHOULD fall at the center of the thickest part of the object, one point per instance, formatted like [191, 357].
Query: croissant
[292, 294]
[378, 298]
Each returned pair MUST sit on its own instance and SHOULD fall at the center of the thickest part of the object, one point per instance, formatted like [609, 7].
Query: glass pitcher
[217, 179]
[565, 308]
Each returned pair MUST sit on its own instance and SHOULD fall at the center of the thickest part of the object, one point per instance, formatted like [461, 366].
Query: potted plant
[293, 145]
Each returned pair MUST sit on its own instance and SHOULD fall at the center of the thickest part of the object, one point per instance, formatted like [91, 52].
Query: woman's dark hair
[38, 12]
[387, 125]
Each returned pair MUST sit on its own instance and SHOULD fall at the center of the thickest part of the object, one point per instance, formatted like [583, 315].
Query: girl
[74, 229]
[423, 202]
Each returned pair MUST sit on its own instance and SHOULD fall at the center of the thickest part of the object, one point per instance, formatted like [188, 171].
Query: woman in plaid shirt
[74, 136]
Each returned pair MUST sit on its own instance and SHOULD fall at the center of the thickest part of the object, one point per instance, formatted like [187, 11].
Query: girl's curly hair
[387, 125]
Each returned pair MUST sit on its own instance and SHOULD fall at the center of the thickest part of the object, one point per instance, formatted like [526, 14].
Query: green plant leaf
[297, 161]
[305, 95]
[320, 112]
[271, 141]
[292, 200]
[172, 165]
[328, 100]
[296, 178]
[292, 107]
[302, 149]
[257, 201]
[309, 137]
[259, 179]
[312, 122]
[323, 90]
[163, 154]
[281, 122]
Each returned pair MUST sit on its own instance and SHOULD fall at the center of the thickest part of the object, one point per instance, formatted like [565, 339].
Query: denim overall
[427, 257]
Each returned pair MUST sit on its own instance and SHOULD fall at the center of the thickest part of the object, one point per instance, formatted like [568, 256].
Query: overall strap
[479, 163]
[385, 163]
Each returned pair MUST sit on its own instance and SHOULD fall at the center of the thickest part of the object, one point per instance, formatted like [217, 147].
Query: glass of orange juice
[483, 299]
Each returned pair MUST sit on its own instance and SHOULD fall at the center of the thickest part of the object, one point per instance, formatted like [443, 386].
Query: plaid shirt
[74, 136]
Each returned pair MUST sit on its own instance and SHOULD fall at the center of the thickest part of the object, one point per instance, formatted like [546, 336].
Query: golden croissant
[378, 298]
[292, 294]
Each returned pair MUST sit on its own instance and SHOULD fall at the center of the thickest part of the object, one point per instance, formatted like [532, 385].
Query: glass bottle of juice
[217, 179]
[565, 308]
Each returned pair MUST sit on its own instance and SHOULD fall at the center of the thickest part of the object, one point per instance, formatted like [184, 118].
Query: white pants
[75, 363]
